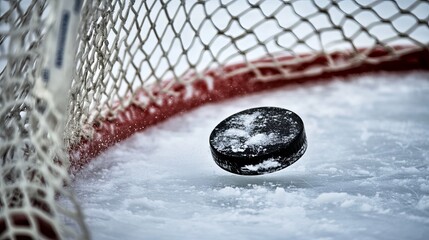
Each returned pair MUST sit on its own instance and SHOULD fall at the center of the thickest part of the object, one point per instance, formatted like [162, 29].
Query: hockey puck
[258, 141]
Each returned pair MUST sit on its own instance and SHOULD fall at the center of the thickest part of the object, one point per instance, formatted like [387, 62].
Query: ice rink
[364, 175]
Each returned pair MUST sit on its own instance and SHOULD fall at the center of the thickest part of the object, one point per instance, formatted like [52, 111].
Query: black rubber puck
[258, 141]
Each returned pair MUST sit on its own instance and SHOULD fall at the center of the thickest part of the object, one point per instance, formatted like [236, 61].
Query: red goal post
[134, 118]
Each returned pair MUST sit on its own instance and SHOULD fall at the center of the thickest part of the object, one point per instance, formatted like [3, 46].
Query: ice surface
[365, 174]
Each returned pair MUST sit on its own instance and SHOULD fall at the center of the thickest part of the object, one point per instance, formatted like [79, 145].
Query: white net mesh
[138, 52]
[126, 48]
[33, 161]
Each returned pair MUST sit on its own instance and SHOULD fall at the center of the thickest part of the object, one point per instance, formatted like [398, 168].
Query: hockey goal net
[79, 76]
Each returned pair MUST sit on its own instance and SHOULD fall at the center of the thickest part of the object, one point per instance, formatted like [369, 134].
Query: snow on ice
[364, 175]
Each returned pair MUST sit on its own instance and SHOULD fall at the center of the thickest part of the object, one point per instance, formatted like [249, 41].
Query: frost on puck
[258, 141]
